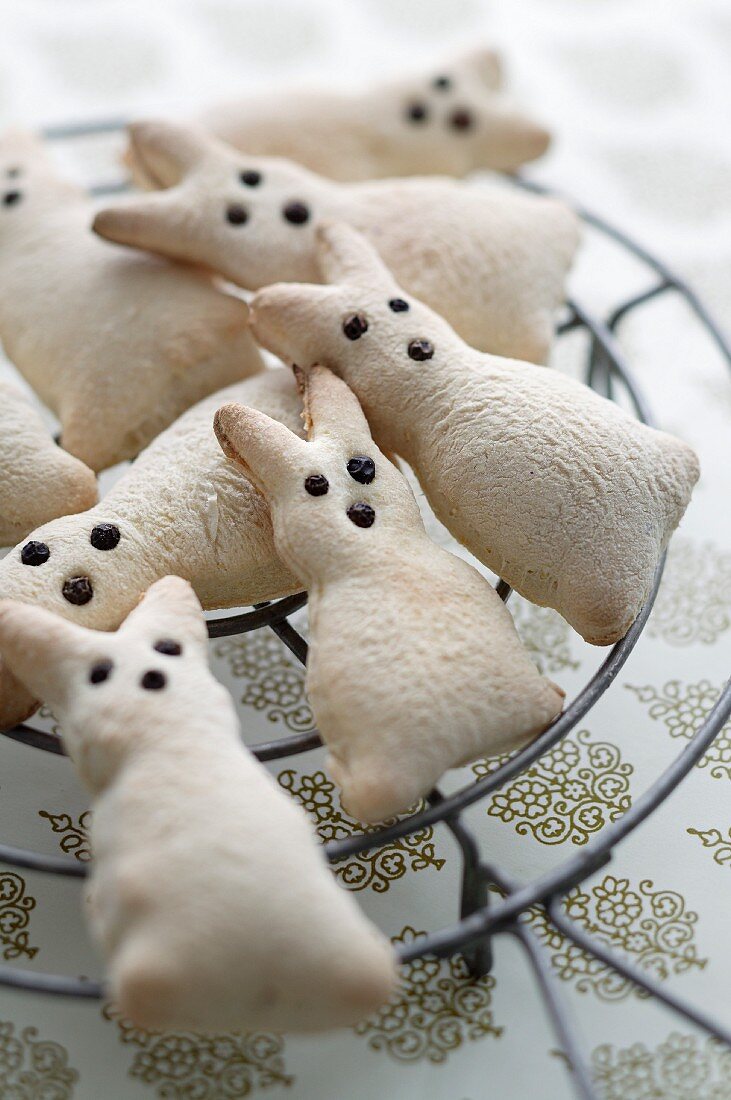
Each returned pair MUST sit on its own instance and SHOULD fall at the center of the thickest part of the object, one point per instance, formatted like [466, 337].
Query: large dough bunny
[492, 260]
[117, 344]
[209, 895]
[556, 489]
[414, 664]
[180, 508]
[38, 480]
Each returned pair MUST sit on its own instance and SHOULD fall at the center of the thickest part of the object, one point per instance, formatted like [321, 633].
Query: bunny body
[414, 665]
[209, 895]
[493, 261]
[179, 508]
[556, 489]
[117, 344]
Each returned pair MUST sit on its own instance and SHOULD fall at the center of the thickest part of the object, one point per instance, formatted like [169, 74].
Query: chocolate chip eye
[77, 590]
[461, 119]
[317, 485]
[420, 350]
[362, 469]
[237, 214]
[441, 83]
[100, 672]
[12, 173]
[250, 178]
[10, 198]
[35, 553]
[296, 213]
[354, 326]
[361, 514]
[105, 536]
[398, 305]
[153, 680]
[169, 647]
[417, 112]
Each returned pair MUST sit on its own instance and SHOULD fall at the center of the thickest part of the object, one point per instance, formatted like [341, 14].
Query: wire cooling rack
[482, 916]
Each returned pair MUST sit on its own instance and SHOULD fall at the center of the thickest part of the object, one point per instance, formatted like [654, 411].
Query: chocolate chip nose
[297, 213]
[77, 590]
[100, 672]
[361, 514]
[420, 350]
[153, 680]
[362, 469]
[105, 536]
[355, 326]
[317, 485]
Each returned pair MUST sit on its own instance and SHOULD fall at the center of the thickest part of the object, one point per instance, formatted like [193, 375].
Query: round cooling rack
[492, 902]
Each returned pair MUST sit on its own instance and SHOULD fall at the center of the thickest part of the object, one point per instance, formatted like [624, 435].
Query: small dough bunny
[414, 664]
[209, 895]
[491, 260]
[38, 480]
[180, 508]
[117, 344]
[555, 489]
[451, 119]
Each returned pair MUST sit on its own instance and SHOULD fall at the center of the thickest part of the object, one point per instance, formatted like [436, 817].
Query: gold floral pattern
[682, 708]
[694, 601]
[438, 1007]
[275, 681]
[653, 928]
[187, 1066]
[713, 839]
[374, 870]
[567, 795]
[544, 633]
[683, 1067]
[74, 836]
[33, 1069]
[15, 908]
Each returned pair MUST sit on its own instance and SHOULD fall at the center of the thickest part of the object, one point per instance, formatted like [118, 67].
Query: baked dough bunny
[414, 664]
[180, 508]
[38, 480]
[557, 490]
[116, 343]
[209, 894]
[493, 261]
[451, 119]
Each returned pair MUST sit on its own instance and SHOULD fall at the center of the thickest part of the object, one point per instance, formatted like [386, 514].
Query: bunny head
[111, 691]
[87, 568]
[28, 182]
[382, 341]
[250, 218]
[335, 500]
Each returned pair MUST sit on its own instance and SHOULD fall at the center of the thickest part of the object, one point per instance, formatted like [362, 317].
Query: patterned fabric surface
[634, 92]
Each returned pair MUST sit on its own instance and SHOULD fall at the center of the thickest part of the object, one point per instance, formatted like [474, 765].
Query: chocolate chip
[417, 112]
[442, 83]
[250, 178]
[153, 680]
[100, 672]
[237, 214]
[461, 119]
[317, 485]
[398, 305]
[105, 536]
[296, 213]
[169, 647]
[35, 553]
[361, 514]
[421, 350]
[362, 469]
[354, 326]
[11, 197]
[77, 590]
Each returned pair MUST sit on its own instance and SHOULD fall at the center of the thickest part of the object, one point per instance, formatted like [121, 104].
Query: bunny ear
[331, 407]
[345, 256]
[40, 648]
[156, 222]
[171, 612]
[166, 152]
[487, 65]
[267, 451]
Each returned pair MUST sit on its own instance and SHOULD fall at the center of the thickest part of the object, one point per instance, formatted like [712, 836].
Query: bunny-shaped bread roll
[414, 664]
[180, 508]
[117, 344]
[209, 895]
[38, 480]
[556, 489]
[451, 119]
[493, 261]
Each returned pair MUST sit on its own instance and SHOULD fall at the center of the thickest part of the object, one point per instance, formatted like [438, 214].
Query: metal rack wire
[481, 916]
